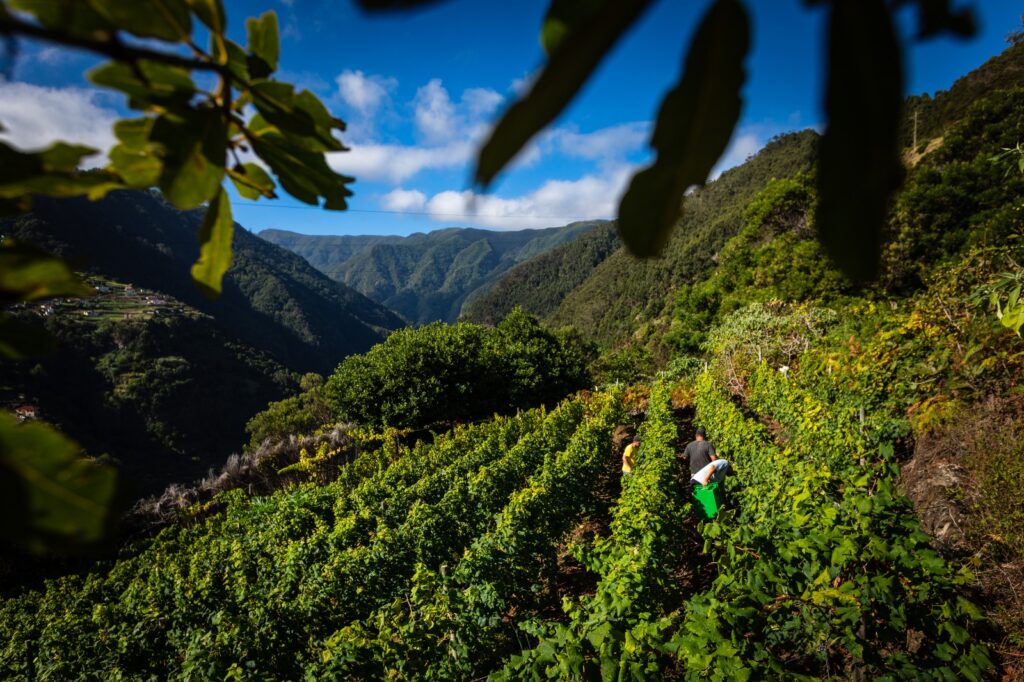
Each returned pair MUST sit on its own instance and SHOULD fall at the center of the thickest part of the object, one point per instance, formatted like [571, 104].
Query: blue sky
[420, 89]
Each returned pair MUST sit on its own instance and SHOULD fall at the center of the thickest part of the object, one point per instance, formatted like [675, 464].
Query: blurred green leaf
[20, 340]
[147, 83]
[162, 19]
[214, 246]
[565, 73]
[29, 274]
[132, 159]
[193, 150]
[252, 181]
[237, 61]
[54, 499]
[73, 16]
[859, 160]
[264, 43]
[303, 174]
[211, 13]
[695, 123]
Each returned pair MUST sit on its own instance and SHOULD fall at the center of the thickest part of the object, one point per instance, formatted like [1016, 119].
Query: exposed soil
[943, 480]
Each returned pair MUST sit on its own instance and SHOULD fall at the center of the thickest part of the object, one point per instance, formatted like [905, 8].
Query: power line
[469, 216]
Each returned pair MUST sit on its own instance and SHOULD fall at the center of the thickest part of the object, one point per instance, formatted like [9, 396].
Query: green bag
[709, 500]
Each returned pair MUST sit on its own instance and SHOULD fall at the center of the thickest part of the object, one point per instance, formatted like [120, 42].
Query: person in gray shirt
[700, 452]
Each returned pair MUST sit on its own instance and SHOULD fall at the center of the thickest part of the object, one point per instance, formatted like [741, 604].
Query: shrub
[442, 373]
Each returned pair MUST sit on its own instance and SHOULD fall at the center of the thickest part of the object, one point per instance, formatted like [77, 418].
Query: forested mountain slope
[606, 297]
[934, 113]
[142, 379]
[426, 276]
[273, 300]
[539, 284]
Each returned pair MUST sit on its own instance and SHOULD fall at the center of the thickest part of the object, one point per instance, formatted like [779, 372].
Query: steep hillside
[606, 296]
[273, 300]
[540, 284]
[144, 380]
[936, 113]
[425, 277]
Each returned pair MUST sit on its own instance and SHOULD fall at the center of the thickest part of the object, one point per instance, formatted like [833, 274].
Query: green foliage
[217, 596]
[627, 365]
[450, 373]
[142, 390]
[623, 293]
[832, 580]
[774, 258]
[53, 499]
[775, 333]
[298, 415]
[186, 134]
[957, 198]
[539, 284]
[619, 632]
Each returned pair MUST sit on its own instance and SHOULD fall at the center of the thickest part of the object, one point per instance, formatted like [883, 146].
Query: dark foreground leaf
[695, 123]
[51, 498]
[20, 340]
[569, 67]
[859, 165]
[28, 274]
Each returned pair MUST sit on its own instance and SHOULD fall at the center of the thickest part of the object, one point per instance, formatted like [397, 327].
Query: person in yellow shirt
[629, 456]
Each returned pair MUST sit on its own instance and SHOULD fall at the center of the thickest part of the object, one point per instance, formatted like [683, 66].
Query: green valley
[425, 277]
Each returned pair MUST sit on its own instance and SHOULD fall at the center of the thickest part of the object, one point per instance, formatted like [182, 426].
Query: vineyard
[509, 549]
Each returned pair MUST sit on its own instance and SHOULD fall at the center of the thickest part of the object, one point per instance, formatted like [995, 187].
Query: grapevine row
[618, 633]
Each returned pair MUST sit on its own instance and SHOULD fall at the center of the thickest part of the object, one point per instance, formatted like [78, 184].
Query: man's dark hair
[702, 433]
[636, 440]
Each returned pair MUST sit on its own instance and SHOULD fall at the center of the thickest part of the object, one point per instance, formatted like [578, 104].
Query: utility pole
[916, 112]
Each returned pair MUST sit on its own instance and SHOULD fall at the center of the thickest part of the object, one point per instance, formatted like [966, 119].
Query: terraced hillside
[508, 549]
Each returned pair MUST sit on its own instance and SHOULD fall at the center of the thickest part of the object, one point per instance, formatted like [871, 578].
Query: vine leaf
[251, 181]
[193, 151]
[211, 13]
[859, 161]
[264, 44]
[695, 123]
[50, 496]
[576, 57]
[162, 19]
[214, 246]
[29, 274]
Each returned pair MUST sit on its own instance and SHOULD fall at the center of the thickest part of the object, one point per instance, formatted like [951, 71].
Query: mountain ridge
[425, 276]
[272, 299]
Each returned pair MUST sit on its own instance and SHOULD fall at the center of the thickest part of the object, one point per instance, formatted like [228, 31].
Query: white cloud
[397, 163]
[434, 112]
[556, 202]
[364, 94]
[404, 200]
[480, 102]
[613, 142]
[519, 86]
[34, 116]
